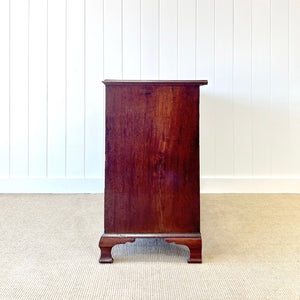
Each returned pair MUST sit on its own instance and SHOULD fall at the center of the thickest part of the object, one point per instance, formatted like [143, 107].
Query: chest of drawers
[152, 164]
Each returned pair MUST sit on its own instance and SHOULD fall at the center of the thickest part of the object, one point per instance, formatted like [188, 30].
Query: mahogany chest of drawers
[152, 187]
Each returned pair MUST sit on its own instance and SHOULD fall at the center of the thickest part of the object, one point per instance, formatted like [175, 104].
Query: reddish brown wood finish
[152, 163]
[194, 244]
[192, 241]
[107, 242]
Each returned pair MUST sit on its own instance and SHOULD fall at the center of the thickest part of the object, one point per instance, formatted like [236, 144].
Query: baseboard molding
[250, 185]
[96, 185]
[52, 185]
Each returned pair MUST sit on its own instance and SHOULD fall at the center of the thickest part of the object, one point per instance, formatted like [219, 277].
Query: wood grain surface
[152, 158]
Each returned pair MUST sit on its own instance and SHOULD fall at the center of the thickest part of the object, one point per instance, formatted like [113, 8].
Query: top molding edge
[155, 82]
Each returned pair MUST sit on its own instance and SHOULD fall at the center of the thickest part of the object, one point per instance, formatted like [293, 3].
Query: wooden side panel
[152, 159]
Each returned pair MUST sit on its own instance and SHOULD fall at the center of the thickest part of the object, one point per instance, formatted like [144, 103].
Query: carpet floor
[49, 250]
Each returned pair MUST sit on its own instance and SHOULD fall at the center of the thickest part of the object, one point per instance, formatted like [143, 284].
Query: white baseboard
[96, 185]
[52, 185]
[250, 185]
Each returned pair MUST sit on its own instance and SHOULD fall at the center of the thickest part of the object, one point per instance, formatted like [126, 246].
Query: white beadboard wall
[54, 54]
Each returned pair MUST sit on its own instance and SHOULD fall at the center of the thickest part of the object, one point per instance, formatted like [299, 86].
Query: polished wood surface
[155, 82]
[152, 163]
[192, 241]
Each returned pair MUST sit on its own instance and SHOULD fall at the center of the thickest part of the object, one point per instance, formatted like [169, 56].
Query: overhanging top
[155, 82]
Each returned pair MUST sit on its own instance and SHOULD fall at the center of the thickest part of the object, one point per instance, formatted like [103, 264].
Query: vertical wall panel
[168, 40]
[56, 87]
[75, 89]
[242, 88]
[94, 135]
[294, 92]
[37, 87]
[113, 44]
[261, 88]
[186, 39]
[131, 39]
[4, 88]
[205, 69]
[280, 135]
[149, 39]
[19, 89]
[223, 87]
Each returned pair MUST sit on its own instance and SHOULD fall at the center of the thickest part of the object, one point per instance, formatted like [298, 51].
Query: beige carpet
[49, 250]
